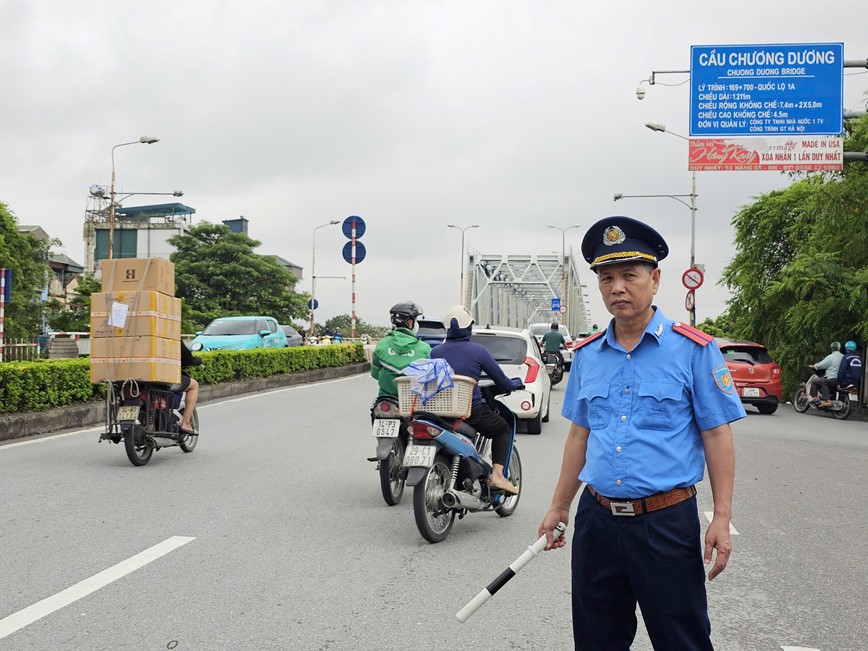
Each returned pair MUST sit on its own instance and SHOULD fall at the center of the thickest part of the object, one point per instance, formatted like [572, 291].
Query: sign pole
[353, 264]
[693, 238]
[2, 308]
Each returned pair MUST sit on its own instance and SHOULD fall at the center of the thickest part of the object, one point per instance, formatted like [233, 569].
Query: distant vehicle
[519, 355]
[293, 338]
[431, 330]
[539, 329]
[756, 376]
[239, 333]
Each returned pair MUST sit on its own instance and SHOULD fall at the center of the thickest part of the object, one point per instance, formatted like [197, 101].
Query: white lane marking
[732, 531]
[40, 609]
[9, 446]
[42, 439]
[799, 648]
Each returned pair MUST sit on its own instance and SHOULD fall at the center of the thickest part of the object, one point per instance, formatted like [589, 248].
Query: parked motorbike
[554, 367]
[449, 463]
[146, 417]
[391, 433]
[842, 401]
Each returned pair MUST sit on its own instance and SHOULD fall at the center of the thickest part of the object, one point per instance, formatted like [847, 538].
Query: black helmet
[403, 312]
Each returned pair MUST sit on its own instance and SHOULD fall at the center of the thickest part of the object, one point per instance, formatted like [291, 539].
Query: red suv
[756, 376]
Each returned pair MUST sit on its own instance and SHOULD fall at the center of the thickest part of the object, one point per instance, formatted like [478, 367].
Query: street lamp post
[144, 140]
[563, 231]
[678, 197]
[313, 274]
[461, 277]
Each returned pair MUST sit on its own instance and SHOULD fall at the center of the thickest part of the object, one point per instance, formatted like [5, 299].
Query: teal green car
[240, 333]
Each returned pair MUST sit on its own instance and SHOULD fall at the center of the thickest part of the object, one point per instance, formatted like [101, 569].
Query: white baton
[486, 593]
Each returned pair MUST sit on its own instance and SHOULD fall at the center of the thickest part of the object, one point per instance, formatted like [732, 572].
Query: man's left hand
[717, 538]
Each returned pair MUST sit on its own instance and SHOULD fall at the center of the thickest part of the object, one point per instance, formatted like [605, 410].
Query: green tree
[27, 257]
[76, 317]
[344, 322]
[799, 279]
[218, 273]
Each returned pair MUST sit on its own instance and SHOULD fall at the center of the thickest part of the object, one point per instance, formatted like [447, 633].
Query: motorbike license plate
[128, 412]
[386, 428]
[420, 455]
[750, 392]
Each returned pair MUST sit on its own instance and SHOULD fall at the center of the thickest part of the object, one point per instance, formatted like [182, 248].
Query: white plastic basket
[454, 402]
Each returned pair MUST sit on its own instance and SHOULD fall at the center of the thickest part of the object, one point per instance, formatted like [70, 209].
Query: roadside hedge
[40, 385]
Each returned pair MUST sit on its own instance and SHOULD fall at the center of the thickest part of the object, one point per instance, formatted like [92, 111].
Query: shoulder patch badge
[723, 379]
[587, 340]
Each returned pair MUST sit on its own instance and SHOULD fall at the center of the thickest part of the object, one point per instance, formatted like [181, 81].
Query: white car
[518, 354]
[539, 329]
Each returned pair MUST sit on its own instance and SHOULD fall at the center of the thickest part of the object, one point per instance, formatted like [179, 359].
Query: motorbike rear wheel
[188, 443]
[800, 400]
[138, 447]
[433, 519]
[392, 473]
[844, 412]
[507, 508]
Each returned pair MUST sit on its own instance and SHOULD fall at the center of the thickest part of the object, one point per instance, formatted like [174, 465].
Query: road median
[21, 424]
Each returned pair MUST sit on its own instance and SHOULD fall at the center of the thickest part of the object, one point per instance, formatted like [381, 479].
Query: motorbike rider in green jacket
[398, 349]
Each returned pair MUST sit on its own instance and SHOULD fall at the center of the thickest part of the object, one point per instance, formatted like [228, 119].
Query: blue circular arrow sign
[347, 228]
[314, 306]
[348, 252]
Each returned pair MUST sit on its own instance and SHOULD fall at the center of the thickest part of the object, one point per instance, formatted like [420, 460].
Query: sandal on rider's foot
[185, 431]
[503, 485]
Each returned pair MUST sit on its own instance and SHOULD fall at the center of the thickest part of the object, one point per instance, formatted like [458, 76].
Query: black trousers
[493, 427]
[654, 559]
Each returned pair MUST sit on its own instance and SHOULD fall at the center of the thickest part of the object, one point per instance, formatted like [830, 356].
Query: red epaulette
[587, 340]
[700, 337]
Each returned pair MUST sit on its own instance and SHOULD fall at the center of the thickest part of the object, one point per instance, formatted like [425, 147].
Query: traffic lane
[795, 571]
[293, 542]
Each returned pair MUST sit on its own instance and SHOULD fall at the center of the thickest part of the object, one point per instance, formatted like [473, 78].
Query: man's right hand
[547, 527]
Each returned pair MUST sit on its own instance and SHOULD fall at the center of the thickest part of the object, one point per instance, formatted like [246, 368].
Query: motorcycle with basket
[448, 463]
[146, 417]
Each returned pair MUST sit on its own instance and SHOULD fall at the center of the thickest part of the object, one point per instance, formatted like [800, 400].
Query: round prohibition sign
[562, 309]
[692, 279]
[689, 301]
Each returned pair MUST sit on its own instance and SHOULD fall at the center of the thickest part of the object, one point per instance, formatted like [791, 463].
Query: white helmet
[461, 315]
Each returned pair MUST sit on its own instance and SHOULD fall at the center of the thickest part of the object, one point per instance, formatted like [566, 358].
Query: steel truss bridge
[516, 290]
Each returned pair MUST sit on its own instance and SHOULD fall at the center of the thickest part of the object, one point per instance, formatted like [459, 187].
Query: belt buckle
[622, 508]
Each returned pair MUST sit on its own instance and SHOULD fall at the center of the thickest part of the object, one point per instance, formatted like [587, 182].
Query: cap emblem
[613, 235]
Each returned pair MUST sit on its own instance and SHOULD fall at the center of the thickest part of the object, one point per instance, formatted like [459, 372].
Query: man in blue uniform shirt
[650, 401]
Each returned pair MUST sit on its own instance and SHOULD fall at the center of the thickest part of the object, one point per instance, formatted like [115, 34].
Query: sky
[413, 115]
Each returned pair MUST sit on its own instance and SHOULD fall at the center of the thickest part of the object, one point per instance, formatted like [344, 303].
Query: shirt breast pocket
[595, 395]
[658, 404]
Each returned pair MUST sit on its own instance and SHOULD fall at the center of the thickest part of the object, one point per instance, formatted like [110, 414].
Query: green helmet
[835, 345]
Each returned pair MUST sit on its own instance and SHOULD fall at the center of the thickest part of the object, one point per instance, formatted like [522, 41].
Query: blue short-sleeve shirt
[646, 409]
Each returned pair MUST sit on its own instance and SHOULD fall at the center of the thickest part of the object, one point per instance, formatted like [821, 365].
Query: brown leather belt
[646, 504]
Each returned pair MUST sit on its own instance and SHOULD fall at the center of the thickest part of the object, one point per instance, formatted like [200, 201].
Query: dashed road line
[40, 609]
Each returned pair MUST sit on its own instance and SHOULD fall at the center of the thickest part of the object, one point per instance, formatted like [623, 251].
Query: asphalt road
[272, 534]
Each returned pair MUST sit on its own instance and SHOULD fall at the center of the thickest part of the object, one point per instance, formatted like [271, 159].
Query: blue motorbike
[448, 463]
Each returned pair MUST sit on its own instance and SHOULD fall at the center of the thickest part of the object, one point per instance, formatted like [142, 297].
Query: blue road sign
[556, 304]
[347, 227]
[767, 90]
[348, 252]
[315, 305]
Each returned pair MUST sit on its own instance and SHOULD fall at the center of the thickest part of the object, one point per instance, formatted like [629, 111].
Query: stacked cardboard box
[135, 323]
